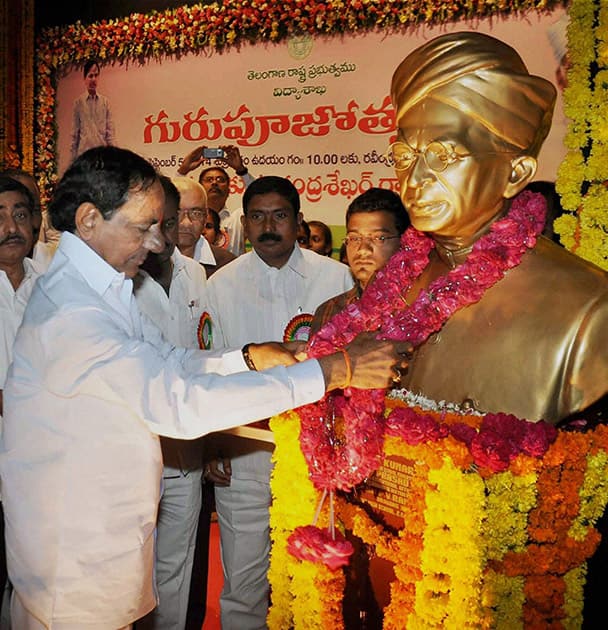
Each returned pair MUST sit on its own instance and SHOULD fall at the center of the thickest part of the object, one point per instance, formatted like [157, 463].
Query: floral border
[513, 556]
[582, 179]
[176, 32]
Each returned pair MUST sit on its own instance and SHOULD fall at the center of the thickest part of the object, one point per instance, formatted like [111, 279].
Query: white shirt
[12, 307]
[178, 315]
[230, 222]
[250, 301]
[253, 302]
[203, 252]
[91, 385]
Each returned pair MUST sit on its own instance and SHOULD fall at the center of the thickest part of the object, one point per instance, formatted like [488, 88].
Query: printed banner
[315, 110]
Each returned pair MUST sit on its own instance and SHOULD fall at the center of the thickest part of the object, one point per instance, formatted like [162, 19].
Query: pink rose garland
[343, 463]
[340, 462]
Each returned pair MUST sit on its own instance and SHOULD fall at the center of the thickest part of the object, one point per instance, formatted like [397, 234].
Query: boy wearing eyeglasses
[375, 221]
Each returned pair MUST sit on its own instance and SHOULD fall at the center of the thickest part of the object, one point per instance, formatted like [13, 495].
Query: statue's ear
[523, 169]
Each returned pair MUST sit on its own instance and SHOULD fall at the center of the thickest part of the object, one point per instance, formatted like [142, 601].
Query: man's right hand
[218, 471]
[375, 364]
[271, 354]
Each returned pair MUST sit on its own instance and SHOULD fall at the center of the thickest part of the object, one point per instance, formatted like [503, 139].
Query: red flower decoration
[537, 438]
[463, 432]
[413, 427]
[343, 461]
[491, 450]
[317, 545]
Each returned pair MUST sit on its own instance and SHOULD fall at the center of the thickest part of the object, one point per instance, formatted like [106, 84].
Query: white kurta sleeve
[176, 391]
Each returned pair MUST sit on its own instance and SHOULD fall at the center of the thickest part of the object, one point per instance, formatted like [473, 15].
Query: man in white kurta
[255, 297]
[91, 387]
[12, 306]
[171, 291]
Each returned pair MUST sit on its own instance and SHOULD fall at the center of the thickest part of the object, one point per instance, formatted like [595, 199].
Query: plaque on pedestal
[368, 577]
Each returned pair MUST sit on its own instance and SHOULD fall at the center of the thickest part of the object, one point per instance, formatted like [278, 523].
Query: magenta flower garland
[340, 462]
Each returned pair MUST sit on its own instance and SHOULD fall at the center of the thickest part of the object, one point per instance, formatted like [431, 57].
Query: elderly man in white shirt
[216, 182]
[192, 217]
[17, 277]
[263, 294]
[171, 290]
[92, 386]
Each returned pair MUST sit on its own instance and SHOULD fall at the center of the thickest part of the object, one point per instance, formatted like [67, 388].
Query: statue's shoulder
[566, 272]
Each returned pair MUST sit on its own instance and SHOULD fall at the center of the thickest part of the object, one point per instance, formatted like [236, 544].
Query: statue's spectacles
[437, 155]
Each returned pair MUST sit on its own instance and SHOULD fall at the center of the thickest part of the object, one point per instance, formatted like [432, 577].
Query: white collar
[203, 253]
[93, 268]
[296, 262]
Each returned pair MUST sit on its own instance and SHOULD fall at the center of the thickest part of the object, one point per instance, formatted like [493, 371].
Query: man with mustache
[262, 294]
[18, 273]
[29, 181]
[216, 182]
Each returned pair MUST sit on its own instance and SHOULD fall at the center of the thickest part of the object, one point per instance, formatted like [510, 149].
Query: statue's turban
[482, 77]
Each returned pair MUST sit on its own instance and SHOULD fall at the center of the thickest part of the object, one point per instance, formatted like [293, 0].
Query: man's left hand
[232, 157]
[269, 355]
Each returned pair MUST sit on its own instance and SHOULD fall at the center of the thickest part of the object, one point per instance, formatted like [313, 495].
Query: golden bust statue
[471, 120]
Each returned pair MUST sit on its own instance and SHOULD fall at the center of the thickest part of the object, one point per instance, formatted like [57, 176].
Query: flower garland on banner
[217, 26]
[340, 462]
[582, 179]
[512, 555]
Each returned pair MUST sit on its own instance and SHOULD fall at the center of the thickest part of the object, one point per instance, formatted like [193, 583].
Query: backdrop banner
[315, 110]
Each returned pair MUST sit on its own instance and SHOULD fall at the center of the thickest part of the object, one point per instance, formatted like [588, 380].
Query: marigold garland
[582, 179]
[513, 555]
[289, 472]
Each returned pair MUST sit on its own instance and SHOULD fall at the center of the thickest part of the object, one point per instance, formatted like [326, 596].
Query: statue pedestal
[369, 577]
[464, 524]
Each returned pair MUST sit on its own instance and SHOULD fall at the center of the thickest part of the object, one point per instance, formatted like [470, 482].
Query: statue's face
[452, 175]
